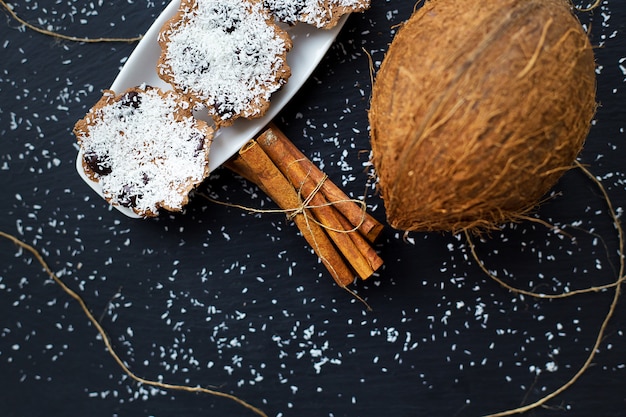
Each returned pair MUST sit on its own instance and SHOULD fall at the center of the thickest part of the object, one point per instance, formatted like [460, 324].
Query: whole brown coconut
[478, 109]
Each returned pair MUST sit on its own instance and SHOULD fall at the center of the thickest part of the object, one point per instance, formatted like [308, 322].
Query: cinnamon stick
[355, 248]
[254, 164]
[285, 150]
[368, 251]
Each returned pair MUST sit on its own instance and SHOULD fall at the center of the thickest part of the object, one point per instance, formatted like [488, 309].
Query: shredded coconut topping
[319, 13]
[144, 154]
[228, 54]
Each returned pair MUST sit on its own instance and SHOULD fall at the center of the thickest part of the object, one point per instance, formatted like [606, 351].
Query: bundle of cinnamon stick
[338, 228]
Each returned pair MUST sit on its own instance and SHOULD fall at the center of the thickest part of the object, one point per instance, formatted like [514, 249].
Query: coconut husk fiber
[478, 109]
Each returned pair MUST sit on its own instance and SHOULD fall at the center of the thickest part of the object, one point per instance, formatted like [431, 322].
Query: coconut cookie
[145, 148]
[319, 13]
[228, 55]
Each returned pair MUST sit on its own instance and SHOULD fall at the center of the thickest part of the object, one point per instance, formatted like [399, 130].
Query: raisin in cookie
[319, 13]
[228, 55]
[145, 148]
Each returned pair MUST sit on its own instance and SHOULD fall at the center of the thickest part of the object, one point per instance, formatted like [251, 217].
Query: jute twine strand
[611, 310]
[43, 31]
[107, 342]
[302, 209]
[307, 201]
[590, 8]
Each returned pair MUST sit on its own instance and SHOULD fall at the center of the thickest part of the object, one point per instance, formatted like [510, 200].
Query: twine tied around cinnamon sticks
[306, 203]
[338, 228]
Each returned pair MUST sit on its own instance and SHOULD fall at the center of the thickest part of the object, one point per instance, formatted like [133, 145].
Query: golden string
[301, 209]
[107, 341]
[43, 31]
[592, 7]
[600, 335]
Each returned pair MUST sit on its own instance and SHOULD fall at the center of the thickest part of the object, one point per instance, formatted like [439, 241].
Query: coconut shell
[478, 109]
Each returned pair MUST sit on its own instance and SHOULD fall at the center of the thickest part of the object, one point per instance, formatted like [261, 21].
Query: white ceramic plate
[309, 47]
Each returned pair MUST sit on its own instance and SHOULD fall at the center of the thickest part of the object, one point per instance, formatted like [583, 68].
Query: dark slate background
[221, 298]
